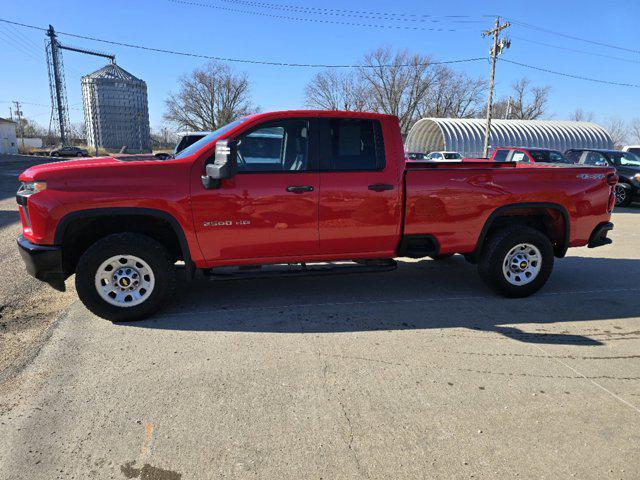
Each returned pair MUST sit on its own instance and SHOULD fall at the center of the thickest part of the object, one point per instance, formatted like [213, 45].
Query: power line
[314, 20]
[25, 39]
[39, 104]
[367, 14]
[226, 59]
[573, 37]
[575, 50]
[13, 42]
[303, 65]
[578, 77]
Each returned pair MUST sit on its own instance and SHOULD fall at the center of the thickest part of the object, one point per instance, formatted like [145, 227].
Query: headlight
[637, 177]
[29, 188]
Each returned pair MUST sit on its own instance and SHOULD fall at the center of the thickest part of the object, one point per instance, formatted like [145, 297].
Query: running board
[298, 270]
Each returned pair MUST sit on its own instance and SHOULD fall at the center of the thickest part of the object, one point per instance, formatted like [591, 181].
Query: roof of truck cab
[320, 113]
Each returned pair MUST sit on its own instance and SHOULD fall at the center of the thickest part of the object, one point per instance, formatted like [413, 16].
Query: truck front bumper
[43, 262]
[598, 237]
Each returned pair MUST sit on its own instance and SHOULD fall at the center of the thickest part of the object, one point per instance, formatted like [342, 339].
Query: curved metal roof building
[466, 135]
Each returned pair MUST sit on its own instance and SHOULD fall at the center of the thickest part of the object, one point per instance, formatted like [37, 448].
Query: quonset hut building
[466, 135]
[116, 110]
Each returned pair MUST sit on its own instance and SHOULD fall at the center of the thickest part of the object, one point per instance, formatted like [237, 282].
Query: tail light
[612, 203]
[612, 179]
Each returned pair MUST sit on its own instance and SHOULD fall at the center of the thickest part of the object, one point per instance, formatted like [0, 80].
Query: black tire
[494, 254]
[444, 256]
[623, 194]
[145, 248]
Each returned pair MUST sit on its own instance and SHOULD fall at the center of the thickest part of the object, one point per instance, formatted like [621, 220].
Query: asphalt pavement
[416, 373]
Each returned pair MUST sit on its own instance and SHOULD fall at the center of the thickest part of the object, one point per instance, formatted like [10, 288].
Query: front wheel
[516, 261]
[124, 277]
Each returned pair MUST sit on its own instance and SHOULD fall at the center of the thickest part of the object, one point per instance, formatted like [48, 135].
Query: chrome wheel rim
[124, 281]
[522, 264]
[621, 194]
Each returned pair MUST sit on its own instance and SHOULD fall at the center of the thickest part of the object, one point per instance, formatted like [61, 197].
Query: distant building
[466, 135]
[30, 142]
[8, 141]
[116, 110]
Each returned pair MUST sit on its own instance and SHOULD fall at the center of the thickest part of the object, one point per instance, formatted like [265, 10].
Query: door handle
[300, 189]
[380, 187]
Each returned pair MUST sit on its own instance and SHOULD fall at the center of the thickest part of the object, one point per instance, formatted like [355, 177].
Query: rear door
[270, 208]
[360, 208]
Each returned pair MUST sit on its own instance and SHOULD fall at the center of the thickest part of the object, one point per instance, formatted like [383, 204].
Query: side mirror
[225, 164]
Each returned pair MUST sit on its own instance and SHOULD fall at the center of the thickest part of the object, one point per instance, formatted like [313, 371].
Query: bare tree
[452, 94]
[618, 131]
[163, 136]
[578, 115]
[209, 98]
[635, 130]
[335, 90]
[528, 103]
[397, 83]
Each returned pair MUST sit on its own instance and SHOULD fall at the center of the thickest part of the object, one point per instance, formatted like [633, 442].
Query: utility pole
[55, 60]
[57, 79]
[498, 46]
[21, 127]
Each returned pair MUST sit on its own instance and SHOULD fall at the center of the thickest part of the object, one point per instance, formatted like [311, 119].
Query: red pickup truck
[298, 187]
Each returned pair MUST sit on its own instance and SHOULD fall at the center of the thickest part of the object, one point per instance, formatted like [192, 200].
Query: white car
[444, 157]
[632, 149]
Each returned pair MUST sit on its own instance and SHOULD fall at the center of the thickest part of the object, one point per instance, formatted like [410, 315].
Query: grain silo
[116, 111]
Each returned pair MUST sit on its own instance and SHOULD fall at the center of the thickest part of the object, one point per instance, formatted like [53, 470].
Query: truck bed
[453, 201]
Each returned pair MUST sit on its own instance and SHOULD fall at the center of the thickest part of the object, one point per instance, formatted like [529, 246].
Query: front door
[360, 199]
[269, 209]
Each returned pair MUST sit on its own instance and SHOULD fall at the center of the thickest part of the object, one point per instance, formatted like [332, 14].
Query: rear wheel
[124, 277]
[623, 195]
[516, 261]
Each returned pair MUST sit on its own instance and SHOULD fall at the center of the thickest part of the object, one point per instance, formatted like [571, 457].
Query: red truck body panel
[340, 219]
[453, 204]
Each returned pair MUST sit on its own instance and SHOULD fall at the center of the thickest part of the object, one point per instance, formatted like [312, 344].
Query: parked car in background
[444, 156]
[69, 151]
[416, 156]
[528, 155]
[632, 148]
[188, 139]
[627, 167]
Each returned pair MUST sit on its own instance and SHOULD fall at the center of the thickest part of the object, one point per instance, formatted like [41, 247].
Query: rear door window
[351, 145]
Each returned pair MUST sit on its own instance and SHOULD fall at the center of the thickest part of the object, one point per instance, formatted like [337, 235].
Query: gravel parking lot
[27, 307]
[417, 373]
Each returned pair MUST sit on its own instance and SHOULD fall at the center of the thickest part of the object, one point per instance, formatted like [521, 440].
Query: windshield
[194, 147]
[548, 156]
[625, 159]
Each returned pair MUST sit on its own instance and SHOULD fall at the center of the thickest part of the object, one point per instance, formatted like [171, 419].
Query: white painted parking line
[574, 370]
